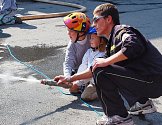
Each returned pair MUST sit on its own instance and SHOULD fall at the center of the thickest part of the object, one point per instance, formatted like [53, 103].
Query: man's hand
[99, 62]
[103, 62]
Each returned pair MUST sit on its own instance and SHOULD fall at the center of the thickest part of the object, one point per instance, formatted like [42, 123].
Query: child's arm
[70, 60]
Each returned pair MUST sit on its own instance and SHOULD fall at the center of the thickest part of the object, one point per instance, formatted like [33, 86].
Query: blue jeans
[8, 5]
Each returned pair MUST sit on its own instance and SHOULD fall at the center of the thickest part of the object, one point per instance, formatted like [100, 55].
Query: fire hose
[54, 15]
[49, 81]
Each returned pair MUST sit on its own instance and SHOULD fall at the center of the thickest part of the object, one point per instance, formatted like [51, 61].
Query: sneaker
[139, 108]
[115, 120]
[89, 93]
[18, 20]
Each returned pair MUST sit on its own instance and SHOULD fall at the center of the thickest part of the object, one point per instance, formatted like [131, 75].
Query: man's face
[72, 34]
[99, 22]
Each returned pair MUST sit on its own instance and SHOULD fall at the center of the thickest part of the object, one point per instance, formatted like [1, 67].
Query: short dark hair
[106, 10]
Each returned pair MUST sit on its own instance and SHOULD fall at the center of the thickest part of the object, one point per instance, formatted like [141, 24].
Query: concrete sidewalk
[42, 43]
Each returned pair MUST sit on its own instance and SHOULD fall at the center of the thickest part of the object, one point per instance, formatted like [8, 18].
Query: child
[97, 50]
[8, 11]
[77, 26]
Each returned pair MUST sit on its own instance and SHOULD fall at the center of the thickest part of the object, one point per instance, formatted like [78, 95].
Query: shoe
[139, 108]
[115, 120]
[89, 93]
[18, 20]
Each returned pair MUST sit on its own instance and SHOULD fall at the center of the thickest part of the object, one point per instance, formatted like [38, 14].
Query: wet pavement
[40, 44]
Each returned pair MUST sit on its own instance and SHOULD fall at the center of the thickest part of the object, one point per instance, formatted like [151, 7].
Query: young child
[77, 24]
[77, 27]
[8, 10]
[97, 50]
[98, 47]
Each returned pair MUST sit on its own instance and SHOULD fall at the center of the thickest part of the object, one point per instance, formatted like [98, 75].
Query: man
[133, 68]
[133, 64]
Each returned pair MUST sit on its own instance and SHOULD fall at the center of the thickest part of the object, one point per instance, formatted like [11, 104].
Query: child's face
[72, 34]
[94, 41]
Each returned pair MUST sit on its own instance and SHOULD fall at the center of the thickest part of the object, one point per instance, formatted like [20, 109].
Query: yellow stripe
[112, 47]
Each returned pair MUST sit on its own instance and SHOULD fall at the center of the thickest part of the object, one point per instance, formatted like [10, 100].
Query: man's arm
[102, 62]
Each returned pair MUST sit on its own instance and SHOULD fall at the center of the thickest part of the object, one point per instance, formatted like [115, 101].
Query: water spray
[9, 78]
[48, 81]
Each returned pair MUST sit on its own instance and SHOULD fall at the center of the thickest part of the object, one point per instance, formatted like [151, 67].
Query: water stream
[8, 78]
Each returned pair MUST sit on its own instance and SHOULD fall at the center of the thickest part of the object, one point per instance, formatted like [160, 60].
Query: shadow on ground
[75, 104]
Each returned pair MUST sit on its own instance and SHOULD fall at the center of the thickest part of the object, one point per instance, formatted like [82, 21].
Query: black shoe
[18, 20]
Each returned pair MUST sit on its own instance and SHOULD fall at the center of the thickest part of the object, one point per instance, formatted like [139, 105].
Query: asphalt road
[39, 46]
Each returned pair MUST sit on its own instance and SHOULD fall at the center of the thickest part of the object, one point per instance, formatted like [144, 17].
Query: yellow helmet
[77, 21]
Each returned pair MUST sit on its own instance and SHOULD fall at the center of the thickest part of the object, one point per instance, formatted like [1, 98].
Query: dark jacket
[143, 57]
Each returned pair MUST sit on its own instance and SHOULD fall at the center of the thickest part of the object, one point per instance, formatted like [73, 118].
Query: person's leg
[8, 12]
[108, 94]
[6, 5]
[113, 78]
[13, 5]
[131, 99]
[112, 103]
[132, 83]
[77, 86]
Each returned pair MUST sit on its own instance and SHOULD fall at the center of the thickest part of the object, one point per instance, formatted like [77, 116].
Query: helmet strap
[78, 36]
[82, 34]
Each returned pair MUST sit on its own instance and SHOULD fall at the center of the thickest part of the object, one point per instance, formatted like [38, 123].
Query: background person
[8, 10]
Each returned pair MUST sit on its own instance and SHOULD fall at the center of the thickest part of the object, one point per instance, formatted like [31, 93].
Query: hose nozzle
[49, 82]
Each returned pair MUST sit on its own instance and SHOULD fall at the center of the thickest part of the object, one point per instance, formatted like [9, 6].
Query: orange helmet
[77, 21]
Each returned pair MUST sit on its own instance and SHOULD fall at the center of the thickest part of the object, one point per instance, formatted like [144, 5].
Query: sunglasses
[96, 18]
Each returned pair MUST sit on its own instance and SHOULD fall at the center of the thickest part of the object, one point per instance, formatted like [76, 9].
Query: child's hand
[62, 82]
[60, 79]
